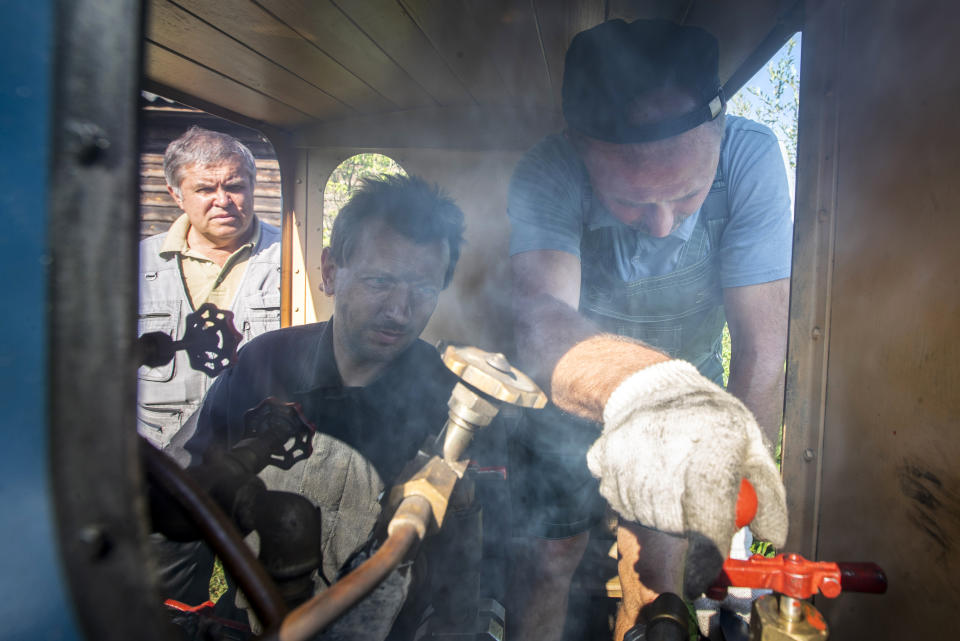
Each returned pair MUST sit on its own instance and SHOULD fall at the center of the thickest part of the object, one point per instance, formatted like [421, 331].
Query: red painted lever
[746, 503]
[795, 576]
[791, 574]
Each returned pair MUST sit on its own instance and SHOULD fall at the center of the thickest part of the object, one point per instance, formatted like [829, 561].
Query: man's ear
[176, 197]
[328, 271]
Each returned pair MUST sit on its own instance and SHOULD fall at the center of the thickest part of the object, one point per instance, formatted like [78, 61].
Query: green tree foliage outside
[779, 106]
[346, 178]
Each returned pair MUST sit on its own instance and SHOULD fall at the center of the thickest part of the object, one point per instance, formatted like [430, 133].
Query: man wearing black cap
[651, 221]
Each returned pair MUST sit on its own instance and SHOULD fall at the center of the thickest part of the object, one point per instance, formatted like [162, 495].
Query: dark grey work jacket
[169, 394]
[365, 434]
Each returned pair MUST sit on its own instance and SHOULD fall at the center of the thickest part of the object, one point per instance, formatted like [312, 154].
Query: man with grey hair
[216, 252]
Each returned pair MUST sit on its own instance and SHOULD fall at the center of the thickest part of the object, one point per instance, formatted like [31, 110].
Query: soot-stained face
[384, 297]
[654, 186]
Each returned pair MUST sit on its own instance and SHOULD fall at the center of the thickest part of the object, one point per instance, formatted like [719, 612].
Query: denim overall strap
[680, 312]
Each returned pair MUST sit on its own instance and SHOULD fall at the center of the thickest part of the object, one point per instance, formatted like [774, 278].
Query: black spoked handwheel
[218, 531]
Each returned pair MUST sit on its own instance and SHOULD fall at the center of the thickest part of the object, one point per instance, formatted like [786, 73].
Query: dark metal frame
[811, 277]
[97, 480]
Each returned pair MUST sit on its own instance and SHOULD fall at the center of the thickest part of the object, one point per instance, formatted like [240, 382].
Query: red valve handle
[746, 503]
[791, 574]
[795, 576]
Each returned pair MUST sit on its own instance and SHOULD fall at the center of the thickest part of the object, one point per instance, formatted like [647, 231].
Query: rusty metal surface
[890, 478]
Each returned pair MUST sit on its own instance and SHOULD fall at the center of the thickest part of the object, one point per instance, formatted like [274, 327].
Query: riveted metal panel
[886, 402]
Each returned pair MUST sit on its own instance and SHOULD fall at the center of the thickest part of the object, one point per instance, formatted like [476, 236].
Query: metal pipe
[325, 608]
[219, 532]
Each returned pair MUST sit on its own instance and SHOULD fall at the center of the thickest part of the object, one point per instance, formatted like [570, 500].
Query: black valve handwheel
[211, 339]
[287, 422]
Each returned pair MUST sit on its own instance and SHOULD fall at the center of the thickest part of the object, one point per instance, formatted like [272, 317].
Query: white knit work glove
[673, 450]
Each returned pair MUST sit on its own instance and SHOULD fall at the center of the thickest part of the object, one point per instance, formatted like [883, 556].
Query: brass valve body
[487, 374]
[769, 623]
[488, 380]
[435, 481]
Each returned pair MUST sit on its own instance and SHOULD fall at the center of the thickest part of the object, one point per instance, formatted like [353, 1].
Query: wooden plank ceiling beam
[171, 75]
[389, 25]
[264, 33]
[331, 31]
[176, 29]
[740, 26]
[630, 10]
[558, 22]
[461, 35]
[470, 127]
[510, 27]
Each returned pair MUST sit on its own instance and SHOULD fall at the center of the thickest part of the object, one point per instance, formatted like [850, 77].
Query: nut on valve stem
[469, 412]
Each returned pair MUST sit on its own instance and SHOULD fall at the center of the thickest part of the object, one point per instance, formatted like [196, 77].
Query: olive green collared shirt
[204, 280]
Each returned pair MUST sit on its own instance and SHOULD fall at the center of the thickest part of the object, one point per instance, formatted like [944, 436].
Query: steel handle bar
[218, 531]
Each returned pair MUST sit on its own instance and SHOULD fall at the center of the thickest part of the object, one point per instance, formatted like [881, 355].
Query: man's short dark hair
[409, 205]
[199, 146]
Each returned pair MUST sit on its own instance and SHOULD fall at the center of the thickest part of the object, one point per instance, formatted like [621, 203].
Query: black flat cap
[610, 66]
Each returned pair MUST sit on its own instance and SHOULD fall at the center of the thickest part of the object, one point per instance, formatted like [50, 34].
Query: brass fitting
[468, 412]
[434, 482]
[777, 617]
[487, 374]
[487, 381]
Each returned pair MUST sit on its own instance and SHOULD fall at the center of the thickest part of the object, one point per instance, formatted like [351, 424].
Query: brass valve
[487, 380]
[487, 374]
[492, 374]
[778, 617]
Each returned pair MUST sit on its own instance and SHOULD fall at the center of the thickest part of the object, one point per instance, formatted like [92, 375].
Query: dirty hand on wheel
[671, 457]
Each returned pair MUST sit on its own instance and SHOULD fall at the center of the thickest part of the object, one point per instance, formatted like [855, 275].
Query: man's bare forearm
[569, 356]
[761, 390]
[757, 316]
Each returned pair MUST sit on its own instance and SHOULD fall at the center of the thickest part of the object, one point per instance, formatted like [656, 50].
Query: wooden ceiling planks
[454, 30]
[330, 30]
[389, 25]
[630, 10]
[298, 62]
[172, 70]
[559, 22]
[176, 29]
[261, 31]
[470, 127]
[510, 28]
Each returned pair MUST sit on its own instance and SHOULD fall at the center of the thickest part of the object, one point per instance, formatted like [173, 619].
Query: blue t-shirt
[550, 201]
